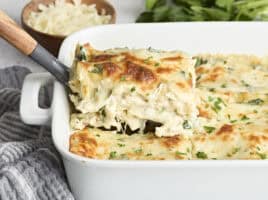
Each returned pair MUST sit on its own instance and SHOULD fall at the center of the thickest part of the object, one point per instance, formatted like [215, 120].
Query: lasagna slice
[98, 144]
[120, 89]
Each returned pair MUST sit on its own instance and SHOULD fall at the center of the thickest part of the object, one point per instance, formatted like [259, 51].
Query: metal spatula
[16, 36]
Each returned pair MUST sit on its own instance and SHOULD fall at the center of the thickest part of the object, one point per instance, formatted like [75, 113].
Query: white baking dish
[152, 180]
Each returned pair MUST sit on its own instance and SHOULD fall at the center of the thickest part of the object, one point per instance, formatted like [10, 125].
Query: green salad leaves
[204, 10]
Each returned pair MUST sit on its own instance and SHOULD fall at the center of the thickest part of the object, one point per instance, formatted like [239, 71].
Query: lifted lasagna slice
[127, 89]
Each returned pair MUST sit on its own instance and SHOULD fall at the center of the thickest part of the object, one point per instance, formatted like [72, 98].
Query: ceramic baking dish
[91, 179]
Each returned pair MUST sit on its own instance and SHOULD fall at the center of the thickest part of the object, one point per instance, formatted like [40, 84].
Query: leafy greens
[204, 10]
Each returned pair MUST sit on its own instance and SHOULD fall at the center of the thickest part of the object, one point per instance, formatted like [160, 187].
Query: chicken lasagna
[201, 107]
[127, 89]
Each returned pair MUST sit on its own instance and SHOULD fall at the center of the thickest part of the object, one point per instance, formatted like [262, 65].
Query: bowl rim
[24, 23]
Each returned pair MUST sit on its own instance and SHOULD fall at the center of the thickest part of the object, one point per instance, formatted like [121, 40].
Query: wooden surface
[16, 36]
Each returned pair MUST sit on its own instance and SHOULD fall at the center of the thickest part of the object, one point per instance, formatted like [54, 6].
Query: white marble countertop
[127, 11]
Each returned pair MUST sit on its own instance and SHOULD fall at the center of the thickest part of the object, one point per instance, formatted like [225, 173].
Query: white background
[127, 11]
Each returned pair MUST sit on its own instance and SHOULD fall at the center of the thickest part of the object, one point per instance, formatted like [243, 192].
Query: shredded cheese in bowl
[62, 18]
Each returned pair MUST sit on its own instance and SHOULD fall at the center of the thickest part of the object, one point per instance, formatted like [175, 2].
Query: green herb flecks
[102, 113]
[217, 104]
[201, 155]
[121, 145]
[113, 155]
[257, 101]
[157, 64]
[262, 155]
[211, 89]
[244, 83]
[147, 60]
[97, 69]
[200, 61]
[233, 121]
[132, 89]
[223, 85]
[178, 153]
[235, 150]
[244, 118]
[82, 54]
[198, 78]
[122, 78]
[186, 124]
[138, 151]
[209, 129]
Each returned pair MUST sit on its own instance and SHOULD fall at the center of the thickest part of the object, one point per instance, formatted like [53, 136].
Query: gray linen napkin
[30, 167]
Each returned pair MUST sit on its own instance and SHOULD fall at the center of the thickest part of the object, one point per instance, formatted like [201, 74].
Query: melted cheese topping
[120, 87]
[232, 119]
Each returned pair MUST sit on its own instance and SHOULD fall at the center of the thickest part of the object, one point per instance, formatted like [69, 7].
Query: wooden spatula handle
[15, 35]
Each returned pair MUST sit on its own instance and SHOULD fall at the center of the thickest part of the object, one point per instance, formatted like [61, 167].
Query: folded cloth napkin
[30, 167]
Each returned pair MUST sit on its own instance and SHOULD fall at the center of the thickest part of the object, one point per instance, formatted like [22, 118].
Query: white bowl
[151, 180]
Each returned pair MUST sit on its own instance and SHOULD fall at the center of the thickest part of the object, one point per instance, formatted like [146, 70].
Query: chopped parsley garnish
[262, 155]
[147, 60]
[82, 54]
[138, 150]
[223, 85]
[200, 61]
[211, 89]
[112, 155]
[183, 73]
[198, 78]
[255, 111]
[210, 98]
[149, 154]
[245, 84]
[209, 129]
[157, 64]
[186, 124]
[235, 150]
[102, 113]
[122, 78]
[121, 145]
[201, 155]
[257, 101]
[178, 153]
[217, 104]
[244, 118]
[132, 89]
[188, 150]
[97, 69]
[98, 135]
[233, 121]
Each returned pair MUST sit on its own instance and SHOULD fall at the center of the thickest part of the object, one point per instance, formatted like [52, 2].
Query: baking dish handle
[30, 111]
